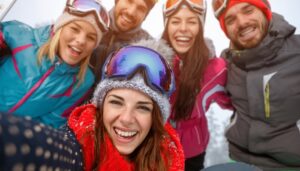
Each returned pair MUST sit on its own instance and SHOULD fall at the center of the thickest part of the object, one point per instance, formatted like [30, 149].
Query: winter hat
[263, 5]
[137, 82]
[171, 6]
[89, 17]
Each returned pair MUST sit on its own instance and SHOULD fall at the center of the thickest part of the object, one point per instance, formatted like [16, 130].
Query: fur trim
[211, 47]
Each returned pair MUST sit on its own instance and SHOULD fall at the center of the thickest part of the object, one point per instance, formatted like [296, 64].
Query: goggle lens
[128, 60]
[219, 6]
[85, 6]
[171, 6]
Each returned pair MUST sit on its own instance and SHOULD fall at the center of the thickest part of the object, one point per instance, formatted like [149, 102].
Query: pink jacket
[193, 132]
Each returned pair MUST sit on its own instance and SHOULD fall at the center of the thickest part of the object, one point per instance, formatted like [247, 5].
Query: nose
[127, 116]
[81, 38]
[131, 10]
[183, 26]
[241, 20]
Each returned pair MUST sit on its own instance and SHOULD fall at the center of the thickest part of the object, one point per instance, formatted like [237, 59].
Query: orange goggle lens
[171, 5]
[219, 6]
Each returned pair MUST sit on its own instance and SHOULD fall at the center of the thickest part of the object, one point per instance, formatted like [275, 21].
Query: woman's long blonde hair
[50, 50]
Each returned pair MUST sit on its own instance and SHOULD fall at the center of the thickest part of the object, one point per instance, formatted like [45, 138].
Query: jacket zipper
[267, 100]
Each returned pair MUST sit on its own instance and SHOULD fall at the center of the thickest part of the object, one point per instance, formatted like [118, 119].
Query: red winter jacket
[82, 120]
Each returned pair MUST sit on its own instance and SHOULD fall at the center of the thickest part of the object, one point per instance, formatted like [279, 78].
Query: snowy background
[39, 12]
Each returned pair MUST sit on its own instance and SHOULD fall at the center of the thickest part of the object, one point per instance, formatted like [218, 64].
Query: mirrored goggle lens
[128, 60]
[219, 6]
[84, 6]
[172, 5]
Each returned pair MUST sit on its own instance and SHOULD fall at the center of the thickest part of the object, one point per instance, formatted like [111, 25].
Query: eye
[145, 108]
[141, 9]
[229, 20]
[115, 102]
[193, 22]
[248, 10]
[74, 29]
[92, 38]
[175, 22]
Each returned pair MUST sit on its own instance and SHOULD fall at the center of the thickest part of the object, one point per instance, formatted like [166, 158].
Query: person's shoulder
[216, 68]
[90, 77]
[142, 34]
[15, 27]
[216, 63]
[174, 148]
[82, 117]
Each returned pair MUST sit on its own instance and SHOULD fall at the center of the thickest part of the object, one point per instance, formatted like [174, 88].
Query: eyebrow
[247, 6]
[79, 26]
[75, 23]
[139, 102]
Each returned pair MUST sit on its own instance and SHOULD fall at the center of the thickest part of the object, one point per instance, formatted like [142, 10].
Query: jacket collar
[261, 55]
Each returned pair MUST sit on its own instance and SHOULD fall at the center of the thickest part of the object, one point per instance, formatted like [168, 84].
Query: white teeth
[125, 133]
[128, 20]
[246, 31]
[75, 49]
[182, 38]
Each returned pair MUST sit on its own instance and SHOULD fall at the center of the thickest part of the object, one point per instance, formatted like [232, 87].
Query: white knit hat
[66, 18]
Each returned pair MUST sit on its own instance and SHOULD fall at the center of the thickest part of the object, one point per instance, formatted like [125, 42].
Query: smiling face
[246, 25]
[182, 29]
[127, 117]
[77, 41]
[129, 14]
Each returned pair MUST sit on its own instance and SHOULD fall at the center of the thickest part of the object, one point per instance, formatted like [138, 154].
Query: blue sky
[37, 12]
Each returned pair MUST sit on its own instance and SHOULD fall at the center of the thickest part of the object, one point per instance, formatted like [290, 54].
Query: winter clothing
[67, 17]
[45, 92]
[263, 5]
[111, 41]
[82, 122]
[136, 83]
[264, 87]
[29, 145]
[193, 132]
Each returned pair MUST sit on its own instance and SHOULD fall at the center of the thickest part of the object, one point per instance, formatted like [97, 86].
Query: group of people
[102, 94]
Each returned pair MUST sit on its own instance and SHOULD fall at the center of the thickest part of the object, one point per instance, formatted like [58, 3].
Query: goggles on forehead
[125, 62]
[171, 6]
[219, 6]
[84, 7]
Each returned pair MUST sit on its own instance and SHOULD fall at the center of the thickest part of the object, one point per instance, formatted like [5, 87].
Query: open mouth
[125, 134]
[183, 39]
[75, 51]
[247, 33]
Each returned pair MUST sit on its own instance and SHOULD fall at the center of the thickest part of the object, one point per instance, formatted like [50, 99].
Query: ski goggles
[84, 7]
[219, 6]
[127, 61]
[171, 6]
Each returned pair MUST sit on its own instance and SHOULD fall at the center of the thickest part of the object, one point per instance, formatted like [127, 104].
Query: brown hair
[147, 156]
[191, 72]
